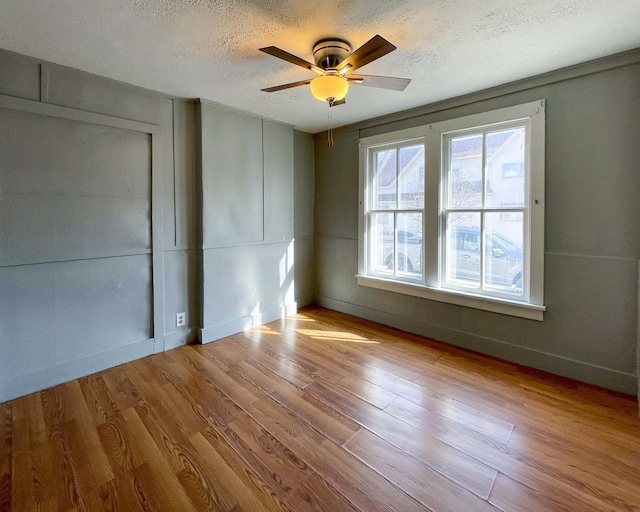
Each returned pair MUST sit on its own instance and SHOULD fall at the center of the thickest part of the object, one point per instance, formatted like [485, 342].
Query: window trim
[430, 287]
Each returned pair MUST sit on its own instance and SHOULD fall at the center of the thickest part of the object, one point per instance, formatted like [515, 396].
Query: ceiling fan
[334, 63]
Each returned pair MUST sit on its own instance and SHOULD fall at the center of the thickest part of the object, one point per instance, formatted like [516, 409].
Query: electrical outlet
[180, 319]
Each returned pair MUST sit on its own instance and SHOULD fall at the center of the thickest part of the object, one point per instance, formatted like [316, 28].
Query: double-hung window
[454, 211]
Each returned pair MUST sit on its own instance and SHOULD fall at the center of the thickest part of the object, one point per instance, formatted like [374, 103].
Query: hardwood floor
[320, 412]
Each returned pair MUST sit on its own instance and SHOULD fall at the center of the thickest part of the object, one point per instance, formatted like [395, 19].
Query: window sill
[502, 306]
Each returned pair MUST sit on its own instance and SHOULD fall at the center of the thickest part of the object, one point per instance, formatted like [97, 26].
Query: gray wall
[247, 187]
[97, 223]
[115, 216]
[303, 217]
[592, 238]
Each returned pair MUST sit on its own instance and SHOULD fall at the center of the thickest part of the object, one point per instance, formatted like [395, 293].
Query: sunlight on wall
[255, 318]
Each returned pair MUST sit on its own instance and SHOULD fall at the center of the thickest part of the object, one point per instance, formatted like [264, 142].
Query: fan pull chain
[329, 129]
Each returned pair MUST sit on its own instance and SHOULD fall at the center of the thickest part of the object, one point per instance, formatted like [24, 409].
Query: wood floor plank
[455, 464]
[121, 389]
[316, 495]
[367, 391]
[25, 483]
[426, 485]
[361, 485]
[98, 398]
[276, 484]
[91, 464]
[267, 496]
[242, 392]
[155, 472]
[510, 495]
[326, 420]
[311, 363]
[118, 444]
[280, 366]
[6, 436]
[262, 377]
[320, 411]
[234, 489]
[432, 415]
[548, 473]
[280, 461]
[28, 425]
[52, 476]
[353, 351]
[121, 493]
[267, 337]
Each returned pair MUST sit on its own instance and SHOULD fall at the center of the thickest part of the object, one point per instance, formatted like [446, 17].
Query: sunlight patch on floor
[335, 336]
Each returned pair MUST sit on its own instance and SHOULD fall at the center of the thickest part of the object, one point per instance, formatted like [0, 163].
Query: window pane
[409, 244]
[465, 172]
[411, 178]
[503, 254]
[462, 267]
[382, 230]
[505, 167]
[384, 179]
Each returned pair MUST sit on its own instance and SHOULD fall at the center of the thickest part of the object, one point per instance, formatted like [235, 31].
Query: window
[454, 211]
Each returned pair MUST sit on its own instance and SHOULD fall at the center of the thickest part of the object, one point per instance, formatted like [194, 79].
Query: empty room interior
[288, 256]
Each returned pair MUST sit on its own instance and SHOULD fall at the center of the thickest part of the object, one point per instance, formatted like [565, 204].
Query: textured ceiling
[208, 48]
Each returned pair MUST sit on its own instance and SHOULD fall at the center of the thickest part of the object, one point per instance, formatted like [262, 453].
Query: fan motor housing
[329, 53]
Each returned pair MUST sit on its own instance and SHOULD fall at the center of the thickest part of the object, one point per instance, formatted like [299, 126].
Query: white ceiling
[209, 49]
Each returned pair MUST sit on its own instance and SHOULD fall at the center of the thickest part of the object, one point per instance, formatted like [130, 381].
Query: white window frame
[531, 306]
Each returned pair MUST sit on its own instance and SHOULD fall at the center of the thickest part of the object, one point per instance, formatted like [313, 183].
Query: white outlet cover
[180, 319]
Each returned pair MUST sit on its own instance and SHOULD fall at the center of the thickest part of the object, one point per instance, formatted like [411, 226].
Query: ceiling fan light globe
[329, 86]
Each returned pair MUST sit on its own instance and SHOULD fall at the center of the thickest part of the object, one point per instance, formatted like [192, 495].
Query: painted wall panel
[54, 313]
[76, 89]
[232, 177]
[336, 268]
[592, 165]
[278, 181]
[43, 228]
[71, 190]
[304, 184]
[592, 308]
[46, 155]
[336, 201]
[303, 271]
[181, 288]
[304, 177]
[75, 257]
[182, 195]
[19, 76]
[243, 282]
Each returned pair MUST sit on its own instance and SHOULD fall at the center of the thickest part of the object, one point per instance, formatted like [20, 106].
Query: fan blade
[281, 54]
[286, 86]
[383, 82]
[337, 103]
[373, 49]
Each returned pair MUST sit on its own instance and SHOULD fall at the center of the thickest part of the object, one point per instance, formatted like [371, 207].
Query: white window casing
[527, 302]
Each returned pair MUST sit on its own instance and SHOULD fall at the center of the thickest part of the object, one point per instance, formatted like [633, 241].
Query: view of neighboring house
[505, 175]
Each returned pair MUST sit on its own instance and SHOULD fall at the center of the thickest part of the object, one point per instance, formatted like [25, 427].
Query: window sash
[372, 249]
[446, 253]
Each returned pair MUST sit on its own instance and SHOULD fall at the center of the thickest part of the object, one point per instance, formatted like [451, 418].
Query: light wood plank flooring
[320, 412]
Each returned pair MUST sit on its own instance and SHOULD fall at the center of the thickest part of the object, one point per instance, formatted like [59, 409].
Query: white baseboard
[54, 375]
[224, 329]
